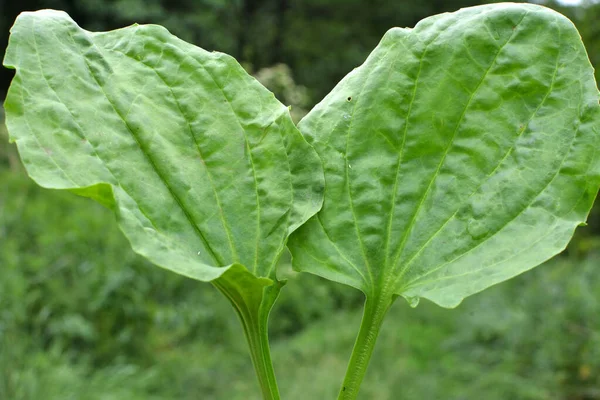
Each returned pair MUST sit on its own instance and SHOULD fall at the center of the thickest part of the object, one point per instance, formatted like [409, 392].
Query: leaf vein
[441, 163]
[506, 155]
[200, 153]
[151, 161]
[318, 217]
[401, 153]
[556, 174]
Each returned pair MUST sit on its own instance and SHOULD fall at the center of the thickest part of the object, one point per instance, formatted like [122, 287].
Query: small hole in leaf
[349, 98]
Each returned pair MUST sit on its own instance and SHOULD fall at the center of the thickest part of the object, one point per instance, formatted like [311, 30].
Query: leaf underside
[202, 165]
[461, 153]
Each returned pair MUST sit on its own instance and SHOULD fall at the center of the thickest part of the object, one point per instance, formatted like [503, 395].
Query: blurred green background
[82, 317]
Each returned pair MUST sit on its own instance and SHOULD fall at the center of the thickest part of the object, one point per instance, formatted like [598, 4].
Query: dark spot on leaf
[344, 389]
[349, 98]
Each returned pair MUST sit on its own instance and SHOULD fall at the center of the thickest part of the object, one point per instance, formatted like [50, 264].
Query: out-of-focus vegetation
[82, 317]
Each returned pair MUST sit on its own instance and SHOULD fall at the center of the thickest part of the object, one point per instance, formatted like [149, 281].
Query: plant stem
[253, 302]
[375, 309]
[256, 331]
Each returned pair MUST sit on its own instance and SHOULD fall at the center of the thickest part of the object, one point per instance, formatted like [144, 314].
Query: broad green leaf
[204, 168]
[461, 153]
[202, 165]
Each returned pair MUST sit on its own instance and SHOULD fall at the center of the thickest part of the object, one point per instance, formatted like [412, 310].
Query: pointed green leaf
[461, 153]
[204, 168]
[202, 165]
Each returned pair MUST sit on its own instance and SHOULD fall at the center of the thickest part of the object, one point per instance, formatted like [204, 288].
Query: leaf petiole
[375, 310]
[256, 331]
[253, 300]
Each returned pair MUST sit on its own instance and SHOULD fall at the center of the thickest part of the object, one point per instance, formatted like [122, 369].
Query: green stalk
[253, 308]
[376, 307]
[256, 331]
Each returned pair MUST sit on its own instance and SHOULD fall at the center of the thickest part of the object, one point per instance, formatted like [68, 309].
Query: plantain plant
[463, 152]
[203, 167]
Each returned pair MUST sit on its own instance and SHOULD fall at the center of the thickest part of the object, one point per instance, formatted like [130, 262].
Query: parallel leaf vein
[525, 208]
[151, 162]
[485, 179]
[250, 157]
[332, 242]
[80, 133]
[401, 153]
[200, 153]
[450, 144]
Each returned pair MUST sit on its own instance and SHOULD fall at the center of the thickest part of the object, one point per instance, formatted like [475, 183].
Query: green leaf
[463, 152]
[203, 166]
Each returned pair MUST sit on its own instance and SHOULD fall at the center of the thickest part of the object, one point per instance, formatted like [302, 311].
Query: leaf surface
[202, 165]
[461, 153]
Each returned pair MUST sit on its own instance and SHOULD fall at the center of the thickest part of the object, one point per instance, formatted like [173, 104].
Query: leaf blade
[197, 154]
[444, 136]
